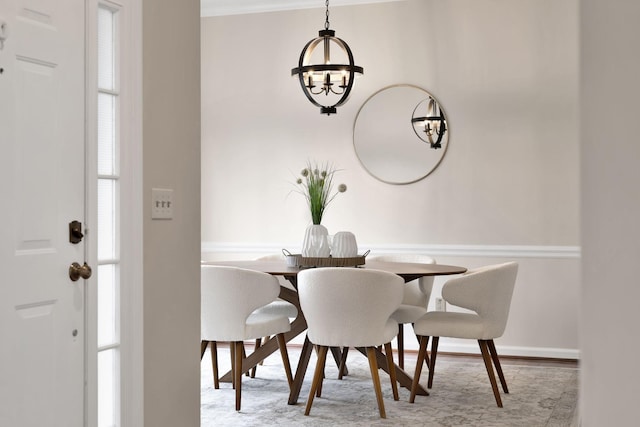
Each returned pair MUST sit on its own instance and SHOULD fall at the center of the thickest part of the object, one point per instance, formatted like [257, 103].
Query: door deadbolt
[75, 232]
[76, 271]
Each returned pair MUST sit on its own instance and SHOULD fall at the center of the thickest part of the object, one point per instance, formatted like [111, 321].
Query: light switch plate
[161, 203]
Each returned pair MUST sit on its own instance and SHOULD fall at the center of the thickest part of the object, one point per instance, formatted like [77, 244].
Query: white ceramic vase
[344, 245]
[316, 242]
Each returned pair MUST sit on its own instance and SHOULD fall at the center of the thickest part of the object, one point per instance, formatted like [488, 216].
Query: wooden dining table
[408, 271]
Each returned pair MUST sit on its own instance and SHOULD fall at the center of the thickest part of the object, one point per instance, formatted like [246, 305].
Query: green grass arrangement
[316, 186]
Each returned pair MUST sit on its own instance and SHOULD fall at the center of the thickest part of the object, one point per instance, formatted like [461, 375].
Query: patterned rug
[461, 396]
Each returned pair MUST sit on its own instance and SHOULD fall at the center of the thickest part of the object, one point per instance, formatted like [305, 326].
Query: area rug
[461, 396]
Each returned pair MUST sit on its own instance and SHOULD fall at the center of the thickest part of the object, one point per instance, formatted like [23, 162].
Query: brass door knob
[76, 271]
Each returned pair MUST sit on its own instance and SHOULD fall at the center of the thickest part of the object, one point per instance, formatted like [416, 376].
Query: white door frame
[132, 362]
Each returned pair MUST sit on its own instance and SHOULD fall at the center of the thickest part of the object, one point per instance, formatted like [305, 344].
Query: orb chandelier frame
[431, 127]
[326, 78]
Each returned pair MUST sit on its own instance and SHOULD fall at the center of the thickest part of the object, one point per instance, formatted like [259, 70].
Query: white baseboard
[542, 352]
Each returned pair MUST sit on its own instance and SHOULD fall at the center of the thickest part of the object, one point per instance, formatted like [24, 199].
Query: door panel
[42, 174]
[35, 196]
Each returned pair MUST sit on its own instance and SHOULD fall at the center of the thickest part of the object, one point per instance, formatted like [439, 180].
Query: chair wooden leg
[203, 348]
[400, 339]
[317, 376]
[343, 363]
[214, 364]
[487, 363]
[496, 363]
[427, 361]
[422, 351]
[239, 353]
[319, 388]
[392, 370]
[244, 356]
[255, 348]
[285, 358]
[426, 354]
[432, 366]
[232, 353]
[373, 366]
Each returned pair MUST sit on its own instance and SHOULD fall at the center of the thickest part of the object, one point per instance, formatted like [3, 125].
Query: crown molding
[239, 7]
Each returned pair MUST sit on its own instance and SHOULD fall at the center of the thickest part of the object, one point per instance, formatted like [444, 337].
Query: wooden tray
[297, 260]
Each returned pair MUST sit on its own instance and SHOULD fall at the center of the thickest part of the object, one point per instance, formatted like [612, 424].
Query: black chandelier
[430, 127]
[334, 81]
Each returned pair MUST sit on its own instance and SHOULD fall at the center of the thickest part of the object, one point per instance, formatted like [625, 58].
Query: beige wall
[507, 74]
[610, 382]
[171, 128]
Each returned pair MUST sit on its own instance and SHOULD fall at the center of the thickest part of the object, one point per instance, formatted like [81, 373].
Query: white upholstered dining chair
[415, 298]
[487, 291]
[279, 306]
[229, 298]
[350, 307]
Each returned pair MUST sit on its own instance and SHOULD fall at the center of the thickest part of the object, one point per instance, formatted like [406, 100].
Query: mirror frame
[411, 108]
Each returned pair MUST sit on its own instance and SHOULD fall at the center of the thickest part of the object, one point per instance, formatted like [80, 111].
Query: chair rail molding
[482, 251]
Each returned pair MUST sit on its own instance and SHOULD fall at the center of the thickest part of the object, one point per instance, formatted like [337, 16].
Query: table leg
[303, 363]
[337, 356]
[402, 377]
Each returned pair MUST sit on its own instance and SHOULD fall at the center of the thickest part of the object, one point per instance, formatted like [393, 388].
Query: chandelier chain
[326, 22]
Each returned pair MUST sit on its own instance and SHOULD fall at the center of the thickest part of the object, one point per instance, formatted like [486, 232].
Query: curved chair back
[229, 296]
[349, 307]
[414, 293]
[277, 257]
[487, 291]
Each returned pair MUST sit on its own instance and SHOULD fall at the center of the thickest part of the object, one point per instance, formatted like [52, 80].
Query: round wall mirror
[384, 138]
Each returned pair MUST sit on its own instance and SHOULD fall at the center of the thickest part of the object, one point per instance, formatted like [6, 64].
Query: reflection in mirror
[385, 141]
[429, 122]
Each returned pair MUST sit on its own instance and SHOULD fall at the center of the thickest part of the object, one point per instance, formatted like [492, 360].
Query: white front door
[42, 164]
